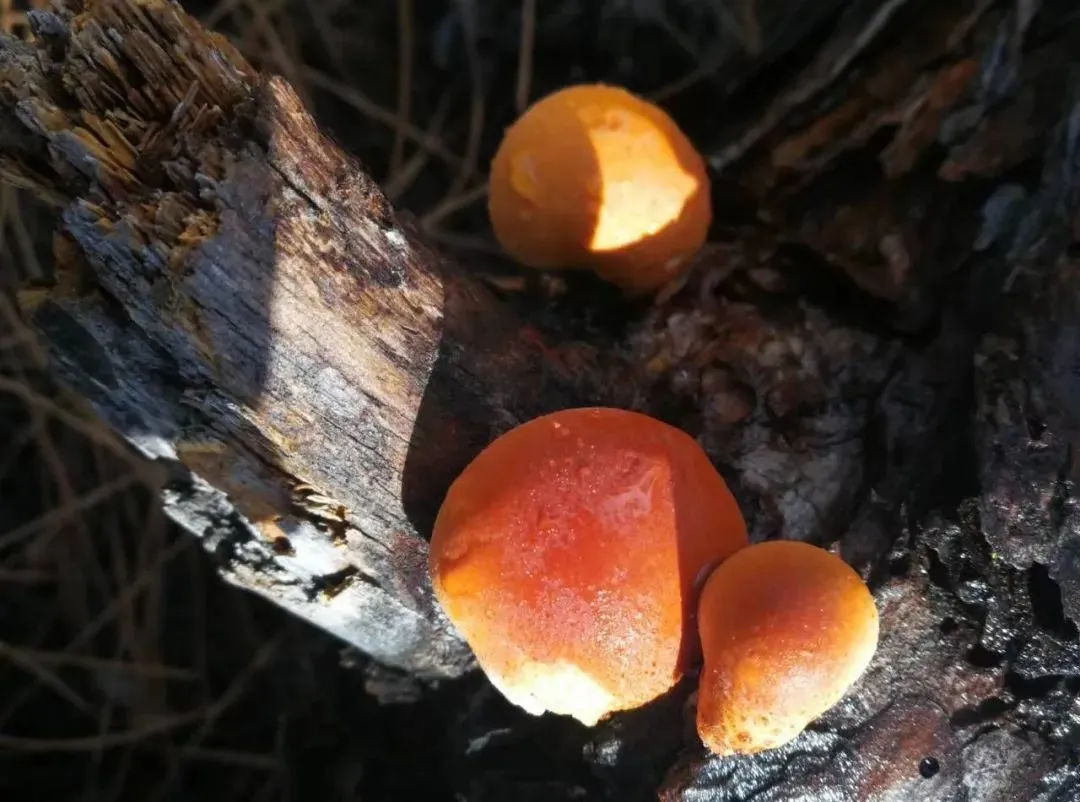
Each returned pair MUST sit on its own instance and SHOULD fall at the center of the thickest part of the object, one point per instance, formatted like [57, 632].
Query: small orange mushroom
[568, 555]
[592, 176]
[786, 628]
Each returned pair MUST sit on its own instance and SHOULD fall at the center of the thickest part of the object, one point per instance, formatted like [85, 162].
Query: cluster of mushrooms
[592, 557]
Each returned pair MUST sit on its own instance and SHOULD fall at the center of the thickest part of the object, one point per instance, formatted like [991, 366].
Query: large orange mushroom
[592, 176]
[569, 553]
[786, 629]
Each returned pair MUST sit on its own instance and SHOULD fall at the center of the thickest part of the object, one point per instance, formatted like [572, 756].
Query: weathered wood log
[235, 293]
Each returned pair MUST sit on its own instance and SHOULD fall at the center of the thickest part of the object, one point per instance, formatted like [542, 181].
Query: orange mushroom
[786, 628]
[592, 176]
[568, 553]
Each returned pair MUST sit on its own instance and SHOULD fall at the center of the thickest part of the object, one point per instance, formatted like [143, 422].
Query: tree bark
[235, 293]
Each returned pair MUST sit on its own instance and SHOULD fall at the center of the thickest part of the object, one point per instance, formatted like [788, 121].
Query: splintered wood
[260, 314]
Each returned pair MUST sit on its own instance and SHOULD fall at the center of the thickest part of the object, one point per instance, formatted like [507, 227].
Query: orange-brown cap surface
[593, 176]
[786, 628]
[567, 554]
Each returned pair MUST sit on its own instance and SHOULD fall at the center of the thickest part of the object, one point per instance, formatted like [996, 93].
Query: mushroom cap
[593, 176]
[786, 628]
[569, 553]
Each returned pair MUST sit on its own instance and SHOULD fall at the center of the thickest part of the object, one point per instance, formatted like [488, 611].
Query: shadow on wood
[235, 294]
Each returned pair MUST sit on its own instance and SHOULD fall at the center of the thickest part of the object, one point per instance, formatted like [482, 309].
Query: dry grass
[98, 680]
[127, 669]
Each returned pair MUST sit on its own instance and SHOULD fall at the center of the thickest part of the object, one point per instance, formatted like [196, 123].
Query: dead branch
[234, 292]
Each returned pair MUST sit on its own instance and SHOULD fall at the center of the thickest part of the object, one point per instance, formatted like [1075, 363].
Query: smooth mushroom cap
[568, 554]
[786, 628]
[593, 176]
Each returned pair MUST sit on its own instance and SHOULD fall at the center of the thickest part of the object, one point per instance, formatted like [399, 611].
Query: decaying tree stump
[886, 363]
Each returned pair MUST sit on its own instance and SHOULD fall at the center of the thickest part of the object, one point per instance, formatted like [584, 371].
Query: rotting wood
[235, 293]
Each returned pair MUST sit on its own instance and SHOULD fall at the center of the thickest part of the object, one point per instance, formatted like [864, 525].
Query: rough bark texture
[236, 294]
[884, 359]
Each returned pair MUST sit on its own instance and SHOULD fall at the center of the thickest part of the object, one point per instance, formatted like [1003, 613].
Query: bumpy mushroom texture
[569, 552]
[781, 389]
[786, 628]
[593, 176]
